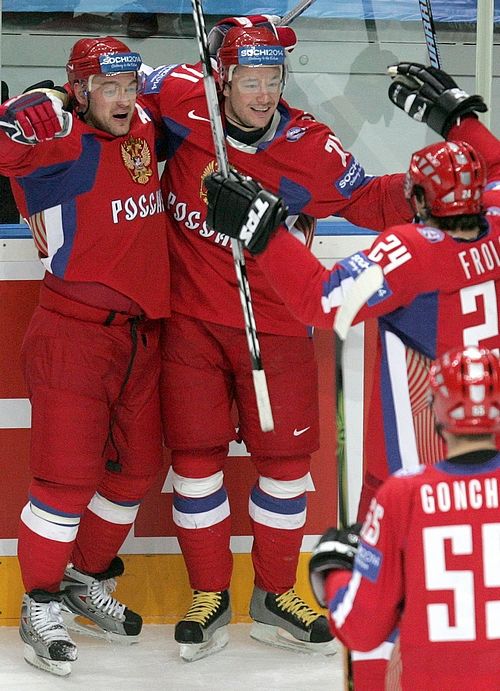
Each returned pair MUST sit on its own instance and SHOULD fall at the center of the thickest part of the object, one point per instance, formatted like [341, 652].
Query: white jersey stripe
[396, 362]
[55, 234]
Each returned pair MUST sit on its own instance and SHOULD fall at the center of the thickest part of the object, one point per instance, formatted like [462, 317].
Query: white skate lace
[100, 594]
[47, 621]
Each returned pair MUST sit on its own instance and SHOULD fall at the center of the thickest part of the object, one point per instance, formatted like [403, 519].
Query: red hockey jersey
[429, 562]
[298, 158]
[94, 206]
[439, 292]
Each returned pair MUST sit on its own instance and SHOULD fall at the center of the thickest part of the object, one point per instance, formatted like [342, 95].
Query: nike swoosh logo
[298, 432]
[193, 116]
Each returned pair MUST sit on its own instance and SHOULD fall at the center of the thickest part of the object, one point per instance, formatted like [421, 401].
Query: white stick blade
[362, 289]
[263, 402]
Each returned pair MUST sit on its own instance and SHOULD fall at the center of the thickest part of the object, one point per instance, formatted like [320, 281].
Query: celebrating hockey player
[427, 558]
[441, 277]
[88, 186]
[206, 365]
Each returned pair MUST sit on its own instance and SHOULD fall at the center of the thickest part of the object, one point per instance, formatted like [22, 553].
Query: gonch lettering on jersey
[460, 495]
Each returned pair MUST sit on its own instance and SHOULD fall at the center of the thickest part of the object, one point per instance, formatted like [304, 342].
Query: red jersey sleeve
[365, 610]
[313, 293]
[477, 135]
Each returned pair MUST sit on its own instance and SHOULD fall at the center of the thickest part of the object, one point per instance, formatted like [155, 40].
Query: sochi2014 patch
[353, 178]
[368, 562]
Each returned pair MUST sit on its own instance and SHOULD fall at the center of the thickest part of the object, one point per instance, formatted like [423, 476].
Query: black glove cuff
[450, 106]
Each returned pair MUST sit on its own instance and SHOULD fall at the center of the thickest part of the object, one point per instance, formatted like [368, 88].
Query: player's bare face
[252, 96]
[112, 102]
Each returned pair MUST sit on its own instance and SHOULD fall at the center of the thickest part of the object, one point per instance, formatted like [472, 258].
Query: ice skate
[203, 631]
[47, 642]
[287, 621]
[89, 596]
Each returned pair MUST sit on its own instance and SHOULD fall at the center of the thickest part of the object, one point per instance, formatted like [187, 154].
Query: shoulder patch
[431, 234]
[295, 133]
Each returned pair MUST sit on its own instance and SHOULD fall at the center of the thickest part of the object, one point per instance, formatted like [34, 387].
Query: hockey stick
[370, 22]
[295, 12]
[430, 32]
[366, 285]
[259, 376]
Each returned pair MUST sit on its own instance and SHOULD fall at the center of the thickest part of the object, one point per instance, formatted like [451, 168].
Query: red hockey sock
[42, 561]
[275, 555]
[97, 543]
[208, 558]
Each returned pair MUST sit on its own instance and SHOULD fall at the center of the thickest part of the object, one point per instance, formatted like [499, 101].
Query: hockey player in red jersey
[205, 346]
[427, 560]
[87, 183]
[441, 276]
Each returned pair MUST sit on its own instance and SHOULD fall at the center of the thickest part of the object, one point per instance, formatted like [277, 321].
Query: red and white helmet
[465, 388]
[285, 35]
[252, 46]
[453, 176]
[106, 56]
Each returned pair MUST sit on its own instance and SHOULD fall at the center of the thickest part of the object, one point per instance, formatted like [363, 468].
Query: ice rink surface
[154, 665]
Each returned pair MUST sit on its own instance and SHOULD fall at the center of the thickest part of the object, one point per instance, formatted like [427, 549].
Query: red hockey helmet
[453, 176]
[105, 55]
[285, 34]
[465, 388]
[252, 46]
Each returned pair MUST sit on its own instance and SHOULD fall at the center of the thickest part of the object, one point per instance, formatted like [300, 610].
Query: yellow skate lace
[293, 604]
[204, 605]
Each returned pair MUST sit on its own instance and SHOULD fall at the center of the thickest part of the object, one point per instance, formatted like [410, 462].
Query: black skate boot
[288, 622]
[89, 595]
[203, 631]
[47, 642]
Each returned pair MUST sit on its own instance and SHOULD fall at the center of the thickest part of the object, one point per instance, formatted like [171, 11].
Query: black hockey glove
[36, 116]
[241, 208]
[430, 95]
[336, 549]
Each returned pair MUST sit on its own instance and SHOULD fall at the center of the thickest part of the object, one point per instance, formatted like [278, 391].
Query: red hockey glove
[35, 116]
[336, 549]
[430, 95]
[241, 208]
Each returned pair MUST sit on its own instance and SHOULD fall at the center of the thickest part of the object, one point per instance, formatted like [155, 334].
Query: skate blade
[190, 652]
[78, 624]
[273, 635]
[58, 667]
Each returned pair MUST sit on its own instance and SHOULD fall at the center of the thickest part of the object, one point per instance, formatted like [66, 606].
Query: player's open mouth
[121, 116]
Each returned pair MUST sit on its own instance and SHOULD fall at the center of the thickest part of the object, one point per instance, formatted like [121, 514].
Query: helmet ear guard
[452, 175]
[465, 391]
